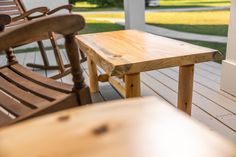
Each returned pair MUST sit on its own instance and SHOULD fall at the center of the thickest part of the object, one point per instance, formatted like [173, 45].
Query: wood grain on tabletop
[132, 128]
[131, 51]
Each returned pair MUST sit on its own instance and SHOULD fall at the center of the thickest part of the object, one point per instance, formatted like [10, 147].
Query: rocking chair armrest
[4, 20]
[68, 7]
[27, 14]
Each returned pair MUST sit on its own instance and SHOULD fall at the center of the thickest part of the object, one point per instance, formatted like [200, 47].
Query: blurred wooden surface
[130, 128]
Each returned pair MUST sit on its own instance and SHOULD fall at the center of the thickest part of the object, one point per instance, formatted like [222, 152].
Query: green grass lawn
[217, 46]
[93, 26]
[193, 3]
[204, 22]
[85, 6]
[220, 30]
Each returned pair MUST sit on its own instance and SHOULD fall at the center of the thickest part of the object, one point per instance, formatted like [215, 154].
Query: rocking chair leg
[43, 53]
[60, 66]
[63, 71]
[80, 88]
[57, 52]
[44, 57]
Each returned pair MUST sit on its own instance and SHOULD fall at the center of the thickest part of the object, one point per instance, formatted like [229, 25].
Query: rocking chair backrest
[15, 9]
[10, 7]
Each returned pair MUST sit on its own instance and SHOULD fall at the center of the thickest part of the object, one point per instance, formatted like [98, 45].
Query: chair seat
[24, 92]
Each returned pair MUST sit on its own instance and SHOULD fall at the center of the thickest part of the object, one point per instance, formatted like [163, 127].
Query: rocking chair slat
[22, 95]
[41, 80]
[31, 86]
[12, 106]
[5, 118]
[2, 3]
[8, 8]
[11, 13]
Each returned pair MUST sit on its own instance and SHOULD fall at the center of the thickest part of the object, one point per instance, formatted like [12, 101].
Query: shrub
[107, 3]
[73, 1]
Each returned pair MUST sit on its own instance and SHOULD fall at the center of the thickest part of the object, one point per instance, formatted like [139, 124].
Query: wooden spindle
[80, 87]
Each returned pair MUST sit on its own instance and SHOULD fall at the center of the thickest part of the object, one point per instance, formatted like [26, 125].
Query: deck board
[199, 97]
[214, 64]
[207, 91]
[209, 69]
[211, 106]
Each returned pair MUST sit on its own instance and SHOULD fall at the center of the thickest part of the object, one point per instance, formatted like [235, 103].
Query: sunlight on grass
[85, 5]
[104, 15]
[193, 18]
[204, 22]
[195, 2]
[208, 22]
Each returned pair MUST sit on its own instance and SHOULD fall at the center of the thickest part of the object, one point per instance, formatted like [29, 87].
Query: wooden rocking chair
[25, 94]
[17, 10]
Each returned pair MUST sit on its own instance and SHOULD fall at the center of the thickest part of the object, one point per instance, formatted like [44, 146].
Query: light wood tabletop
[132, 51]
[129, 128]
[126, 53]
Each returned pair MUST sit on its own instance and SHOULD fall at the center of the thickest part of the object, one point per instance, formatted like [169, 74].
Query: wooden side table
[143, 127]
[127, 53]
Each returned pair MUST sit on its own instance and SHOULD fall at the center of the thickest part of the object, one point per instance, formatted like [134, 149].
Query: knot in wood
[100, 130]
[63, 118]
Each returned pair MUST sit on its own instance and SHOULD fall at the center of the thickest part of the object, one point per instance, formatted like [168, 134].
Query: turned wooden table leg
[93, 76]
[186, 74]
[132, 85]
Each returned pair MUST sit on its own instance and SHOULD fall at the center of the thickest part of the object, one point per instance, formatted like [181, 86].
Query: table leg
[93, 76]
[132, 85]
[186, 74]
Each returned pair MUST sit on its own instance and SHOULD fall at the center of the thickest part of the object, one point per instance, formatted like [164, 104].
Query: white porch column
[228, 80]
[134, 14]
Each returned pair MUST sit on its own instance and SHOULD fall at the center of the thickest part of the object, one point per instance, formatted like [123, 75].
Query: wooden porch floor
[212, 107]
